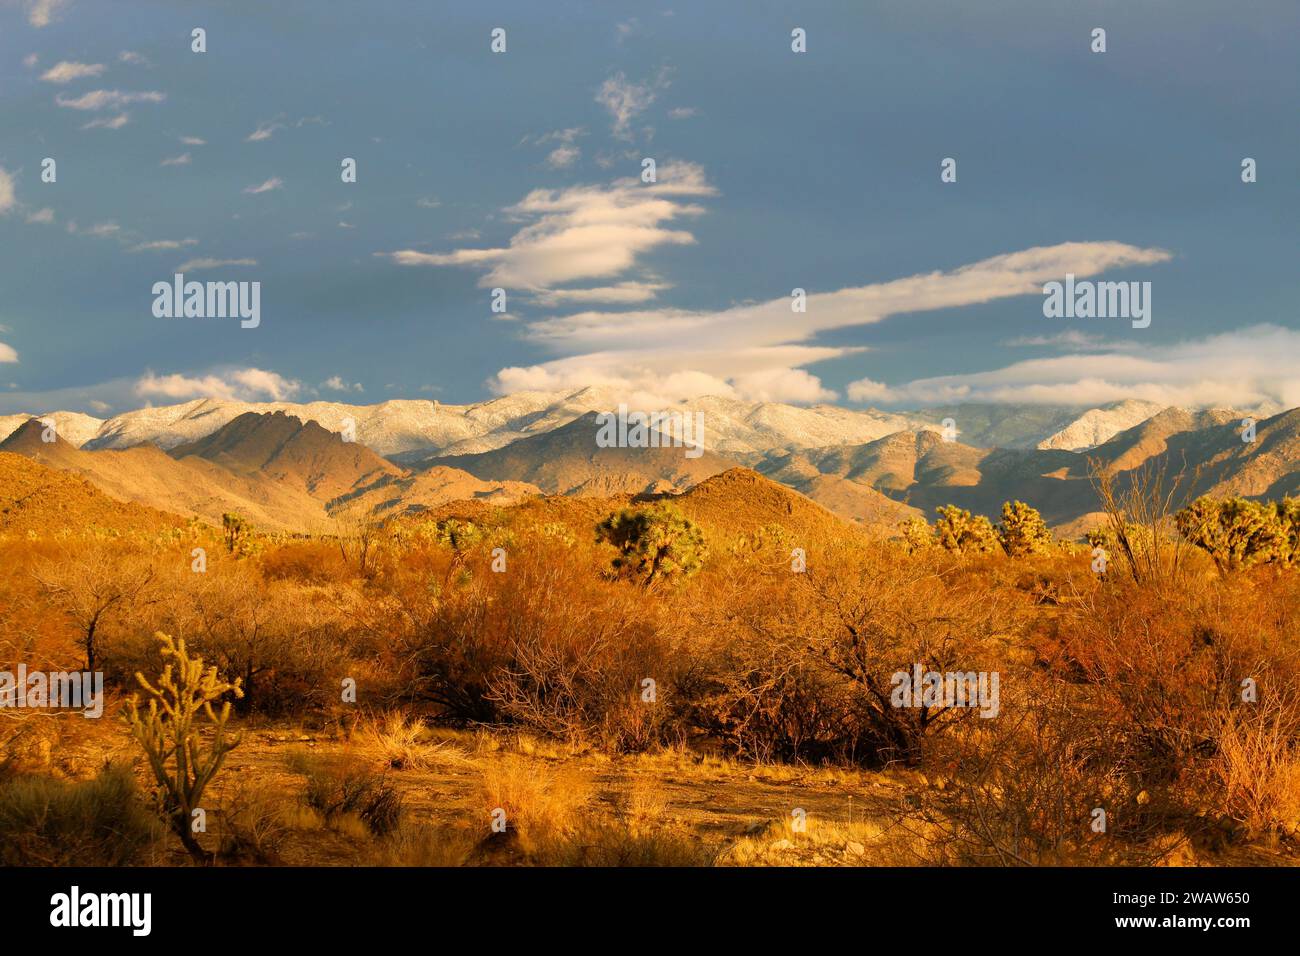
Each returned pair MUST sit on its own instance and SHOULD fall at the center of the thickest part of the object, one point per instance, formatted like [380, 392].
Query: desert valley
[452, 635]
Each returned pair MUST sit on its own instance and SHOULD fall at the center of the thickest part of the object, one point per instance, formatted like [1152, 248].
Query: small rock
[856, 848]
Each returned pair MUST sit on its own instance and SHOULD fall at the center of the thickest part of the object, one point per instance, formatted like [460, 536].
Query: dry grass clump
[823, 841]
[97, 822]
[344, 793]
[542, 804]
[399, 742]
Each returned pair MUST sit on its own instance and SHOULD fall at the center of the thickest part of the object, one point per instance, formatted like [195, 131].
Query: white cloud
[107, 122]
[133, 58]
[65, 71]
[7, 353]
[624, 293]
[30, 60]
[1069, 339]
[246, 385]
[193, 141]
[335, 383]
[263, 131]
[101, 230]
[428, 202]
[41, 12]
[562, 157]
[42, 216]
[1249, 367]
[682, 112]
[6, 192]
[195, 265]
[626, 100]
[759, 350]
[182, 160]
[163, 245]
[108, 99]
[581, 233]
[275, 182]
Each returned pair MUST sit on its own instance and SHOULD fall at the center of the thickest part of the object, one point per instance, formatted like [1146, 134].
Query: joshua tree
[917, 534]
[1236, 532]
[654, 544]
[1023, 530]
[958, 531]
[236, 530]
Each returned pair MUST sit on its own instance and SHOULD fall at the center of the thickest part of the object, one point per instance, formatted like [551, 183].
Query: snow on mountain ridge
[409, 429]
[1098, 425]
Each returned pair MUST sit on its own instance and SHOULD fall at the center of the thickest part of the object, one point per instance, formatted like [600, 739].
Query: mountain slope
[567, 461]
[192, 487]
[302, 456]
[40, 499]
[1098, 425]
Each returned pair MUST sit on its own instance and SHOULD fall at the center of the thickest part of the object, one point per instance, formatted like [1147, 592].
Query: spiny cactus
[1023, 530]
[958, 531]
[1237, 532]
[167, 732]
[917, 534]
[654, 543]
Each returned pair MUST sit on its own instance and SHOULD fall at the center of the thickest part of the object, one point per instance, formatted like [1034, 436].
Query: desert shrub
[280, 639]
[253, 825]
[544, 647]
[1258, 769]
[655, 544]
[1140, 522]
[1023, 531]
[576, 666]
[956, 530]
[305, 562]
[424, 846]
[93, 585]
[337, 788]
[49, 822]
[1042, 786]
[1192, 687]
[397, 740]
[801, 666]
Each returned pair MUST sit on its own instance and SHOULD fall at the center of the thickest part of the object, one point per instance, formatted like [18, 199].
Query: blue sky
[521, 170]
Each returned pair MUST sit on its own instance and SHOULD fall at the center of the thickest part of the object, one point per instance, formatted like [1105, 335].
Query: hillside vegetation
[703, 678]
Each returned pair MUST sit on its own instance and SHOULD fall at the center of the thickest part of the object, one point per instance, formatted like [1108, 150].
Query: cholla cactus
[167, 732]
[1236, 532]
[1023, 530]
[958, 531]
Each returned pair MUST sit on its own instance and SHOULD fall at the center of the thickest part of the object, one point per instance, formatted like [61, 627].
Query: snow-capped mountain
[73, 427]
[1098, 425]
[411, 430]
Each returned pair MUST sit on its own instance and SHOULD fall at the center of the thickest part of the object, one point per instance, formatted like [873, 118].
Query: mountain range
[412, 430]
[295, 468]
